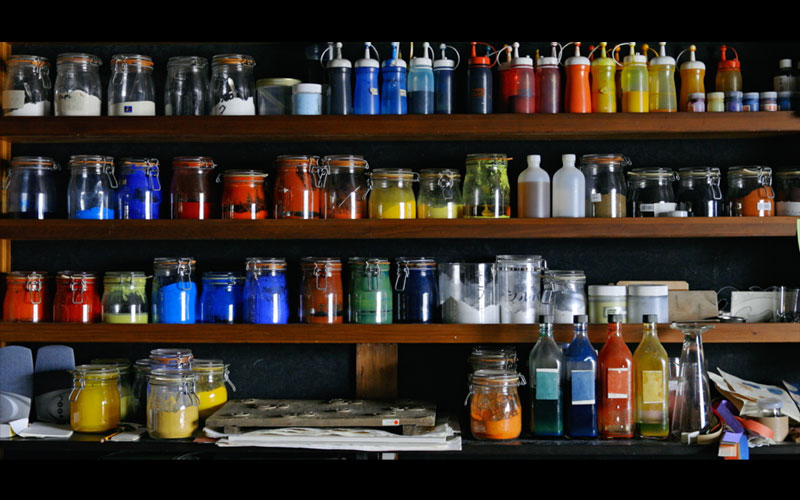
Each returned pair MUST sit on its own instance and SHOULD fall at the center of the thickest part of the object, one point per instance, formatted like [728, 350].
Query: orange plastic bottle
[615, 371]
[729, 73]
[578, 94]
[693, 74]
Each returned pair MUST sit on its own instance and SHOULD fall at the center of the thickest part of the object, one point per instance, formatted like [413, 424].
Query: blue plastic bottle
[580, 361]
[366, 98]
[420, 83]
[340, 90]
[443, 71]
[393, 86]
[479, 82]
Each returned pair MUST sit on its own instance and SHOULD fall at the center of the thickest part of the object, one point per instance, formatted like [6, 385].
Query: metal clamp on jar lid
[521, 262]
[124, 278]
[322, 267]
[30, 163]
[171, 359]
[182, 265]
[712, 175]
[34, 281]
[150, 167]
[78, 58]
[305, 163]
[494, 379]
[649, 174]
[372, 268]
[191, 61]
[120, 62]
[198, 162]
[605, 160]
[223, 278]
[78, 283]
[445, 178]
[233, 60]
[404, 266]
[265, 265]
[212, 367]
[493, 358]
[488, 159]
[38, 62]
[763, 174]
[99, 163]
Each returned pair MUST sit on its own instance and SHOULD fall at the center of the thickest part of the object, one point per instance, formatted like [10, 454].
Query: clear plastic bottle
[662, 82]
[569, 187]
[635, 88]
[533, 190]
[420, 83]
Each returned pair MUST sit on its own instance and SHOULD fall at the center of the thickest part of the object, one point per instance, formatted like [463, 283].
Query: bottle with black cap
[615, 374]
[581, 380]
[546, 365]
[651, 383]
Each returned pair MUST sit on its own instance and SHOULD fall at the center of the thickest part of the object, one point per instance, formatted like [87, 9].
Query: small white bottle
[533, 190]
[569, 186]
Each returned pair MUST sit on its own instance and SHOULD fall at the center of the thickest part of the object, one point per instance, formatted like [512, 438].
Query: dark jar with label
[699, 191]
[750, 192]
[650, 192]
[191, 192]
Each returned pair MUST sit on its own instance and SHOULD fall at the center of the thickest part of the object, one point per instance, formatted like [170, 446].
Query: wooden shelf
[370, 334]
[285, 229]
[461, 127]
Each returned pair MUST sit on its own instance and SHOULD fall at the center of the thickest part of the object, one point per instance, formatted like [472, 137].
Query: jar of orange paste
[750, 192]
[495, 410]
[298, 187]
[244, 196]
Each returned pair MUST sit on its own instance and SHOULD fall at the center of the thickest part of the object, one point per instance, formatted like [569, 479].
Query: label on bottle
[621, 310]
[583, 387]
[547, 384]
[403, 93]
[652, 386]
[596, 197]
[769, 106]
[132, 108]
[619, 383]
[764, 205]
[783, 83]
[373, 91]
[13, 99]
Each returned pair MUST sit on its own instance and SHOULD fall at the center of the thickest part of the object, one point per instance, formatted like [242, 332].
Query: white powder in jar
[235, 106]
[77, 103]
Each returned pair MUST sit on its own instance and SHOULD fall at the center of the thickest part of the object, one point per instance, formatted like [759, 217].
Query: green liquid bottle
[546, 365]
[651, 384]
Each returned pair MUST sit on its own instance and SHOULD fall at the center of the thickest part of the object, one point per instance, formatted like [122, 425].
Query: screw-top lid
[785, 64]
[423, 61]
[518, 60]
[534, 161]
[648, 290]
[734, 94]
[768, 95]
[551, 60]
[650, 318]
[577, 59]
[545, 318]
[726, 64]
[608, 290]
[716, 95]
[307, 88]
[568, 159]
[692, 63]
[663, 59]
[750, 95]
[580, 318]
[444, 62]
[615, 318]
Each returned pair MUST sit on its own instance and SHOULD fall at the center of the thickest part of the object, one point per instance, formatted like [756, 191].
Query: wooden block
[673, 285]
[692, 305]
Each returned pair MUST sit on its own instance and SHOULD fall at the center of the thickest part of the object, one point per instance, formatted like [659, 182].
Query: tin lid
[768, 95]
[233, 59]
[199, 162]
[277, 82]
[716, 95]
[648, 290]
[132, 60]
[200, 62]
[78, 58]
[608, 290]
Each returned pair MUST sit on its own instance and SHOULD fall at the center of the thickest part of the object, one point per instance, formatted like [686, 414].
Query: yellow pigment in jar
[172, 404]
[392, 194]
[211, 376]
[94, 400]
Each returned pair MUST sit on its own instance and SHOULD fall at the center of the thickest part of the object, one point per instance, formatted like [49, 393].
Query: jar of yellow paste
[440, 194]
[173, 408]
[211, 374]
[127, 401]
[94, 400]
[392, 195]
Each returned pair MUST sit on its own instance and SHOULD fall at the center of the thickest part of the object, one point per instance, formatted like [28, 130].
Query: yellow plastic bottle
[604, 92]
[729, 73]
[662, 82]
[635, 86]
[693, 73]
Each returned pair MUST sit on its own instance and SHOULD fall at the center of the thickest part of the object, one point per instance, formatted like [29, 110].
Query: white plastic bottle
[569, 186]
[533, 190]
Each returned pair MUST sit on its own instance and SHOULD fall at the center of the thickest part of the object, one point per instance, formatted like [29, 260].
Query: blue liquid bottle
[420, 82]
[443, 71]
[366, 97]
[340, 90]
[580, 388]
[479, 82]
[393, 86]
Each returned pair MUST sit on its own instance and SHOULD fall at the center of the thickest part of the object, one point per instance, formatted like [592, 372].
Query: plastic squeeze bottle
[577, 94]
[729, 73]
[420, 83]
[548, 83]
[366, 97]
[504, 80]
[635, 97]
[522, 97]
[693, 73]
[393, 88]
[479, 82]
[533, 190]
[569, 186]
[604, 92]
[340, 92]
[662, 82]
[443, 71]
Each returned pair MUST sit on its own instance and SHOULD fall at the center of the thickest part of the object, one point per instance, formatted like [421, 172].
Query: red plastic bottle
[548, 83]
[615, 372]
[522, 98]
[578, 93]
[505, 82]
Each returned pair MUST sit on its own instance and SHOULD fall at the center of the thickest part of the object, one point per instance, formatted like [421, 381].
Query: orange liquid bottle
[578, 94]
[615, 371]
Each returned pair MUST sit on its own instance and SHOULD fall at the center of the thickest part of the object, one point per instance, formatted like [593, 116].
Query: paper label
[619, 385]
[764, 205]
[770, 107]
[597, 197]
[547, 384]
[621, 310]
[403, 93]
[132, 108]
[652, 387]
[13, 99]
[583, 387]
[657, 208]
[389, 422]
[373, 91]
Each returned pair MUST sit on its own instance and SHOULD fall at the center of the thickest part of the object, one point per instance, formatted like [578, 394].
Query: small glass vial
[392, 194]
[750, 101]
[716, 102]
[31, 188]
[139, 192]
[307, 99]
[27, 90]
[699, 192]
[125, 297]
[416, 294]
[440, 194]
[94, 402]
[27, 297]
[173, 408]
[76, 299]
[174, 294]
[233, 87]
[190, 192]
[370, 291]
[266, 297]
[346, 187]
[186, 91]
[221, 300]
[606, 189]
[495, 410]
[211, 375]
[171, 359]
[769, 101]
[90, 194]
[299, 180]
[696, 103]
[487, 193]
[321, 292]
[131, 91]
[78, 91]
[243, 196]
[750, 192]
[650, 192]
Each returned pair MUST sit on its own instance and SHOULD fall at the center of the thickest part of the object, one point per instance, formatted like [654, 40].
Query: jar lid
[200, 62]
[164, 262]
[201, 162]
[80, 161]
[366, 261]
[78, 58]
[26, 275]
[439, 172]
[697, 96]
[716, 95]
[734, 94]
[294, 161]
[785, 94]
[71, 275]
[749, 171]
[650, 318]
[143, 366]
[167, 376]
[752, 95]
[699, 172]
[648, 290]
[104, 371]
[170, 357]
[788, 172]
[653, 173]
[769, 404]
[565, 275]
[492, 377]
[208, 365]
[37, 61]
[223, 277]
[494, 157]
[233, 59]
[769, 95]
[674, 213]
[122, 364]
[132, 60]
[416, 262]
[348, 161]
[393, 173]
[265, 264]
[34, 162]
[112, 277]
[605, 160]
[608, 290]
[330, 262]
[307, 88]
[138, 162]
[580, 318]
[277, 82]
[246, 174]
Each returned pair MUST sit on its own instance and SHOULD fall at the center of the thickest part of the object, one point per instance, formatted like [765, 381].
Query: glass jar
[94, 403]
[186, 91]
[140, 381]
[648, 299]
[787, 192]
[750, 101]
[345, 191]
[770, 407]
[697, 102]
[493, 358]
[321, 292]
[650, 192]
[222, 298]
[564, 296]
[125, 297]
[716, 102]
[605, 300]
[130, 89]
[768, 101]
[31, 188]
[173, 408]
[266, 298]
[211, 376]
[174, 294]
[606, 189]
[90, 194]
[27, 297]
[275, 95]
[495, 410]
[699, 192]
[750, 192]
[243, 197]
[519, 285]
[171, 359]
[127, 401]
[416, 294]
[487, 193]
[76, 299]
[78, 91]
[233, 87]
[26, 89]
[370, 294]
[139, 192]
[392, 194]
[467, 293]
[190, 192]
[733, 101]
[298, 183]
[440, 194]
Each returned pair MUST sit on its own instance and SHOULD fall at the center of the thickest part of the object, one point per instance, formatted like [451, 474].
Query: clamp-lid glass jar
[94, 403]
[78, 91]
[563, 296]
[76, 299]
[222, 298]
[750, 192]
[275, 95]
[440, 194]
[519, 287]
[392, 194]
[90, 194]
[171, 359]
[650, 192]
[125, 297]
[370, 294]
[131, 91]
[493, 358]
[321, 292]
[233, 87]
[495, 410]
[139, 192]
[31, 187]
[346, 188]
[186, 92]
[211, 376]
[699, 191]
[467, 293]
[174, 294]
[190, 192]
[416, 294]
[487, 193]
[27, 297]
[266, 297]
[244, 196]
[606, 189]
[127, 400]
[787, 192]
[173, 408]
[26, 88]
[299, 180]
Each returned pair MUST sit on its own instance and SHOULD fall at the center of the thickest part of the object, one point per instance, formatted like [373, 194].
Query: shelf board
[286, 229]
[367, 334]
[460, 127]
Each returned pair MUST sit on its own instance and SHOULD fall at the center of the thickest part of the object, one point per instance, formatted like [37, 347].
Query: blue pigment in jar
[266, 298]
[221, 298]
[139, 192]
[174, 295]
[415, 290]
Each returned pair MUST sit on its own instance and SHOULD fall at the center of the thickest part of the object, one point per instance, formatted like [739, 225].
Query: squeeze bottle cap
[577, 58]
[603, 60]
[424, 61]
[534, 160]
[785, 63]
[520, 61]
[568, 159]
[692, 63]
[728, 64]
[663, 59]
[552, 60]
[394, 61]
[475, 59]
[339, 61]
[633, 57]
[367, 61]
[444, 62]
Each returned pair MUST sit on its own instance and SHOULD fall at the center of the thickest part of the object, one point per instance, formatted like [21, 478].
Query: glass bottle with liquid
[546, 365]
[615, 369]
[581, 380]
[651, 383]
